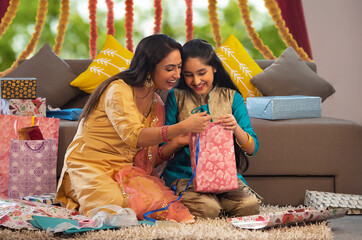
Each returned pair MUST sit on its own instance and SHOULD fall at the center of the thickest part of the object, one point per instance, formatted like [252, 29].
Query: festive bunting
[62, 25]
[258, 43]
[92, 7]
[274, 12]
[40, 20]
[158, 16]
[9, 16]
[214, 22]
[110, 18]
[128, 24]
[188, 21]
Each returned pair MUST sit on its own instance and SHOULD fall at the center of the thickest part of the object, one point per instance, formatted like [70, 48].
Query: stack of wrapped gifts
[19, 97]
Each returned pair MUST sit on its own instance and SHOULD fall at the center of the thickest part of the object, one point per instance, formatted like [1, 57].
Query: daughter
[205, 85]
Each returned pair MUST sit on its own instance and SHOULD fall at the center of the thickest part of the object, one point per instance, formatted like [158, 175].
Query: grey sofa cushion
[289, 75]
[53, 75]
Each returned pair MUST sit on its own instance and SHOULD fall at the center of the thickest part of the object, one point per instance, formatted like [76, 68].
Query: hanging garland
[128, 24]
[214, 21]
[158, 16]
[9, 16]
[274, 12]
[188, 21]
[110, 18]
[62, 25]
[40, 20]
[258, 43]
[92, 7]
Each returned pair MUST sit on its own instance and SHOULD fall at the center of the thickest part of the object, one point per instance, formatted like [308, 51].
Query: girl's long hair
[201, 49]
[149, 52]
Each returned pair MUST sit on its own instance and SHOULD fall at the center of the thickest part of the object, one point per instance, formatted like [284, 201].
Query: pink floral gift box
[24, 107]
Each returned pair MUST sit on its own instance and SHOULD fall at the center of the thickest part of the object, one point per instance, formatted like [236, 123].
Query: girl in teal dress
[206, 86]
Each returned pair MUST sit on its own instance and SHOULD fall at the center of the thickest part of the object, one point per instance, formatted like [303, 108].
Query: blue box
[284, 107]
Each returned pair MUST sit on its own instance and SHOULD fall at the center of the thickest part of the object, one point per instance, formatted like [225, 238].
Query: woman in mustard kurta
[113, 156]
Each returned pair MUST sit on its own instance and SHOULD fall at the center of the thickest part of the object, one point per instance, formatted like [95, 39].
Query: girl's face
[167, 71]
[198, 76]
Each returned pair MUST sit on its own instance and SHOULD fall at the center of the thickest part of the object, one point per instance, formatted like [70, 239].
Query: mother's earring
[149, 82]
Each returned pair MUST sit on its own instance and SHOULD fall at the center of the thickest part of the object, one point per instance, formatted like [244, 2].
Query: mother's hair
[149, 52]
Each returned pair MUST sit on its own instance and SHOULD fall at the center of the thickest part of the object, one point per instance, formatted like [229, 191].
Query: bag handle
[32, 120]
[34, 149]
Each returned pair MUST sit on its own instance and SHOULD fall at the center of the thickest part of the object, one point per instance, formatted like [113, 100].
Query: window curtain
[293, 15]
[3, 8]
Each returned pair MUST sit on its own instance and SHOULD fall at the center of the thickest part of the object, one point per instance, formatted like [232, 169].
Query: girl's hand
[197, 122]
[228, 121]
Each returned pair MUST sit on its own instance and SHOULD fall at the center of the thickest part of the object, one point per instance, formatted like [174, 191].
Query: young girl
[115, 149]
[205, 85]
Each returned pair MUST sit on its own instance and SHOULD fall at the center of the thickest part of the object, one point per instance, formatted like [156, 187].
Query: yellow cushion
[112, 59]
[239, 65]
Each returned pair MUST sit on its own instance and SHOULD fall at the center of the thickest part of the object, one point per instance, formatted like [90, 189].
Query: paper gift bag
[33, 166]
[18, 88]
[9, 125]
[213, 156]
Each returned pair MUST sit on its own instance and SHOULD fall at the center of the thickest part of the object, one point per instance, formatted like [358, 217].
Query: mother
[116, 145]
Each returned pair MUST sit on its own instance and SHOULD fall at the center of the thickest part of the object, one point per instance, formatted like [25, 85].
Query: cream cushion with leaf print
[241, 67]
[112, 59]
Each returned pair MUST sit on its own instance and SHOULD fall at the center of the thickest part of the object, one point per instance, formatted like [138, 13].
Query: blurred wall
[335, 35]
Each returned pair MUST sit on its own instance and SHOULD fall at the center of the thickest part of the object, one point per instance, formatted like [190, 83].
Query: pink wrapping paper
[286, 218]
[9, 125]
[216, 168]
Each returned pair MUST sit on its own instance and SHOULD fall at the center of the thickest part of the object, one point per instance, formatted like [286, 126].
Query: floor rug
[201, 229]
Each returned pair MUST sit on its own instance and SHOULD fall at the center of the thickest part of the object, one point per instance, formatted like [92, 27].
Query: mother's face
[167, 71]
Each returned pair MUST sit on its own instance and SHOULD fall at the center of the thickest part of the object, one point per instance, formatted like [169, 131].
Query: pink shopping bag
[213, 155]
[33, 165]
[9, 125]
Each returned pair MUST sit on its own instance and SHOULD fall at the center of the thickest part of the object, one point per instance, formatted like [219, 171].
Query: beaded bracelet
[164, 134]
[160, 154]
[246, 145]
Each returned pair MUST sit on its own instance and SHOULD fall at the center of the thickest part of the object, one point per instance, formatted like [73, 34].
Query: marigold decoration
[214, 22]
[110, 18]
[128, 24]
[188, 21]
[9, 16]
[62, 25]
[40, 20]
[258, 43]
[274, 12]
[92, 7]
[158, 16]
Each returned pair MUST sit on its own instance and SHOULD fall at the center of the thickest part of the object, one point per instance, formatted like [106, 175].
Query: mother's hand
[197, 122]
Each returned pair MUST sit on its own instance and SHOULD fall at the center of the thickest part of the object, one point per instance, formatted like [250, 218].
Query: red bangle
[160, 154]
[164, 134]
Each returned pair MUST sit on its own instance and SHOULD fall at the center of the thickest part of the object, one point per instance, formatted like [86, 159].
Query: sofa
[321, 154]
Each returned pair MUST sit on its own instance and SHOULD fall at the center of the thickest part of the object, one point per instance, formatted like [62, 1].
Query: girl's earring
[149, 82]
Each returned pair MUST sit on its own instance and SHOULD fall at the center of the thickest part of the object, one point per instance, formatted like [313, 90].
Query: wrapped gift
[33, 166]
[18, 88]
[213, 159]
[324, 200]
[290, 217]
[67, 114]
[284, 107]
[48, 198]
[27, 107]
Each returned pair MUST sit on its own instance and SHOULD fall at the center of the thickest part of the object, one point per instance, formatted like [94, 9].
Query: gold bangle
[246, 145]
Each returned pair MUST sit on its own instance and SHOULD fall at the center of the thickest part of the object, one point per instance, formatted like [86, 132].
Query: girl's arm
[239, 122]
